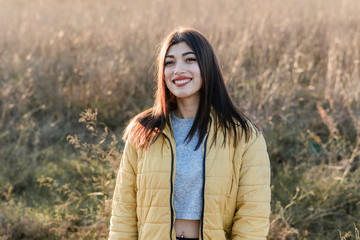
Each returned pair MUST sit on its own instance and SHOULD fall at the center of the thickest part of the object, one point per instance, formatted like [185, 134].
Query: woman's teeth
[182, 81]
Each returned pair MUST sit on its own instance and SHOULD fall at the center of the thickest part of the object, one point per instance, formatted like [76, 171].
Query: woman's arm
[123, 222]
[251, 220]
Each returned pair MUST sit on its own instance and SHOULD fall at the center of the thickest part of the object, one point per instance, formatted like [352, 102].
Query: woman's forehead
[179, 49]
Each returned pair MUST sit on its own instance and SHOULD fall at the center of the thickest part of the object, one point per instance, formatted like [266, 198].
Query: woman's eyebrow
[184, 54]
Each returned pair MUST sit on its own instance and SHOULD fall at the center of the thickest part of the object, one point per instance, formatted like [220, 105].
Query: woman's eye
[190, 59]
[168, 63]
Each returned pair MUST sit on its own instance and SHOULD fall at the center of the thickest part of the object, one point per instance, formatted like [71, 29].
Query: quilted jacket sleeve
[251, 220]
[123, 222]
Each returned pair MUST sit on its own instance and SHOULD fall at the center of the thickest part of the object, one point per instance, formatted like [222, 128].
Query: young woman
[194, 166]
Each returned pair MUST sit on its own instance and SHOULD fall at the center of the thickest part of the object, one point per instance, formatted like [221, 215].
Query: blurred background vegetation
[293, 66]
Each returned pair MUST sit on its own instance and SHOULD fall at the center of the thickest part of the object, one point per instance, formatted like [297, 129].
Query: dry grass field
[292, 66]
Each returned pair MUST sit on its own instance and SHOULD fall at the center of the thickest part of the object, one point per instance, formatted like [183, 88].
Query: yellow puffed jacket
[236, 190]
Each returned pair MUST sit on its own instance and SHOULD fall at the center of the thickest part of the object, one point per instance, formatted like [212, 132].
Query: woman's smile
[181, 81]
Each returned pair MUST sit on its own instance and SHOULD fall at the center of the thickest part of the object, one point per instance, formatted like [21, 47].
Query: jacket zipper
[172, 187]
[203, 190]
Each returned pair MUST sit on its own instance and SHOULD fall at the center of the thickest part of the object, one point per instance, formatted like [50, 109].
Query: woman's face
[182, 72]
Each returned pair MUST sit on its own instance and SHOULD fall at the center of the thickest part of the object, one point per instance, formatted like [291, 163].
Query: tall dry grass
[293, 66]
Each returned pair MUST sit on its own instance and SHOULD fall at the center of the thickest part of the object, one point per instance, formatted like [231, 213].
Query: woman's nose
[179, 68]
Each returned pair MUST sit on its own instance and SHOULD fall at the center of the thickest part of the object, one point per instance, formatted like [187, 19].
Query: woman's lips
[181, 81]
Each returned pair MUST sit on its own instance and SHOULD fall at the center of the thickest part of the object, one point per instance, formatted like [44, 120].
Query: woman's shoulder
[135, 124]
[256, 138]
[249, 133]
[139, 120]
[141, 129]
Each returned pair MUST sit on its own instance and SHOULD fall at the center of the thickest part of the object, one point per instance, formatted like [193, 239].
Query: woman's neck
[186, 109]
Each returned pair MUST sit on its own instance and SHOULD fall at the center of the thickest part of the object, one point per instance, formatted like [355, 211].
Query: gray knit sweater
[189, 171]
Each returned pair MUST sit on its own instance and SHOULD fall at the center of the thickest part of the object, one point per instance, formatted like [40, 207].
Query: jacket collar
[167, 130]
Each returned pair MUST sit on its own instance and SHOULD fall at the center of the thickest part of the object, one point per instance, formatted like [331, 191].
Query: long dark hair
[147, 126]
